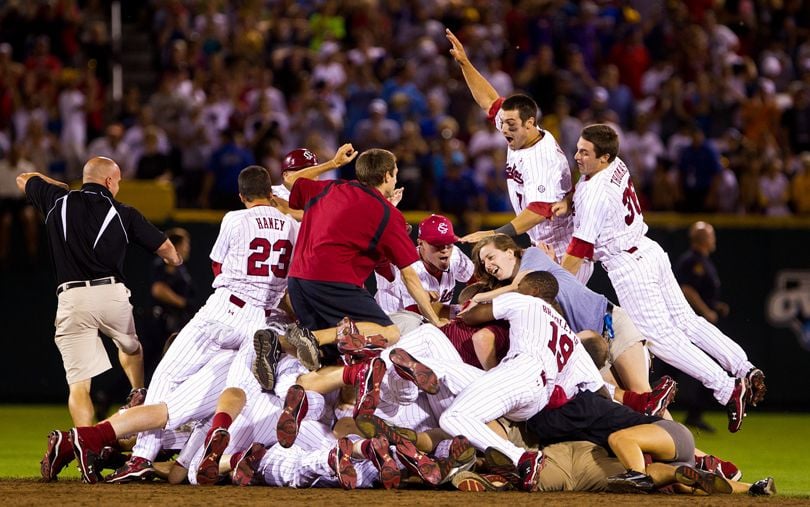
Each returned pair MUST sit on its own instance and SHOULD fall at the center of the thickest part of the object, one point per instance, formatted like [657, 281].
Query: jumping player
[537, 172]
[610, 228]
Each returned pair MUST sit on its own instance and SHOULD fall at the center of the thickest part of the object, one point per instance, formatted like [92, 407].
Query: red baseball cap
[437, 230]
[298, 159]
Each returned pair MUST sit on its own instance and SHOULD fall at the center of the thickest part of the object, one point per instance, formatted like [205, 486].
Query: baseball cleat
[418, 462]
[377, 451]
[306, 346]
[461, 458]
[500, 464]
[756, 380]
[136, 469]
[341, 463]
[135, 398]
[86, 454]
[529, 466]
[371, 426]
[711, 463]
[368, 387]
[630, 482]
[763, 487]
[289, 422]
[661, 396]
[58, 454]
[244, 474]
[268, 350]
[409, 368]
[473, 482]
[346, 327]
[735, 408]
[709, 482]
[208, 470]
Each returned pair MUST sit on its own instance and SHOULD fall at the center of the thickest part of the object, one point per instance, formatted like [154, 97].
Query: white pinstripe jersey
[541, 173]
[537, 329]
[394, 296]
[255, 247]
[607, 213]
[281, 191]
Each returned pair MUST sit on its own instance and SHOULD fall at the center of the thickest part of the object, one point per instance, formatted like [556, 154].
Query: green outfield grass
[769, 444]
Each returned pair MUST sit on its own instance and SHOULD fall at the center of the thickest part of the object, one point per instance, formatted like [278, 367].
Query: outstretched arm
[344, 155]
[169, 254]
[24, 177]
[482, 91]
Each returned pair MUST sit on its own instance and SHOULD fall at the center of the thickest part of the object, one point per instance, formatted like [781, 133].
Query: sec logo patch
[541, 189]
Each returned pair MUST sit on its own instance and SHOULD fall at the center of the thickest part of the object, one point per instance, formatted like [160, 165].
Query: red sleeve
[303, 190]
[494, 108]
[385, 270]
[579, 248]
[395, 244]
[541, 208]
[414, 308]
[216, 267]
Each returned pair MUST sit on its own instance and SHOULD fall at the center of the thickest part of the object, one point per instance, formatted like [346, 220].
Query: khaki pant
[83, 312]
[577, 466]
[625, 333]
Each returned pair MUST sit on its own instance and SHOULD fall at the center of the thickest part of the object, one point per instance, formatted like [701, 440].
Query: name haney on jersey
[255, 248]
[607, 213]
[541, 173]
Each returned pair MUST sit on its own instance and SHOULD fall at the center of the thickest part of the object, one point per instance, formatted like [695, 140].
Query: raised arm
[483, 92]
[24, 177]
[344, 155]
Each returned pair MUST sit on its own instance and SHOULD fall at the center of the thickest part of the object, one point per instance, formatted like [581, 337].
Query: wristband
[507, 229]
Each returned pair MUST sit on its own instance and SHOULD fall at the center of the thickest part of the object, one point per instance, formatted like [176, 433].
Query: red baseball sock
[221, 420]
[350, 373]
[104, 435]
[636, 401]
[235, 459]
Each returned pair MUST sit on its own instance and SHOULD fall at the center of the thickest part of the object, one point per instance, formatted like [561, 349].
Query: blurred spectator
[631, 59]
[153, 164]
[698, 165]
[220, 189]
[113, 147]
[774, 189]
[665, 189]
[800, 187]
[135, 136]
[641, 150]
[72, 107]
[376, 131]
[724, 193]
[620, 98]
[564, 127]
[795, 122]
[458, 195]
[13, 204]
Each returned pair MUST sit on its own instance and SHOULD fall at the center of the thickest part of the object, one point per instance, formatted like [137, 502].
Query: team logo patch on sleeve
[541, 189]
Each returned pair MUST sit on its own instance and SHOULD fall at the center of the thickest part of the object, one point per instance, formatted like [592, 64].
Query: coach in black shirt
[88, 233]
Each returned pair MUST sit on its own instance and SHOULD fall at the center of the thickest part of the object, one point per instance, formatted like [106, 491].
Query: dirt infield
[72, 492]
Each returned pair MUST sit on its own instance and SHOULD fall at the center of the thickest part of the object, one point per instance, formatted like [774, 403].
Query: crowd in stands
[711, 98]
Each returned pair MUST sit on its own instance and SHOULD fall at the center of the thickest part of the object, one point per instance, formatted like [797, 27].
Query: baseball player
[250, 259]
[443, 265]
[537, 172]
[609, 227]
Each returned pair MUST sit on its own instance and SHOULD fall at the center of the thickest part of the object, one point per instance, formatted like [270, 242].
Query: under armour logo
[442, 227]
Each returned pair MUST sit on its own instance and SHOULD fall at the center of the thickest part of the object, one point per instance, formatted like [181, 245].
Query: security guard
[88, 233]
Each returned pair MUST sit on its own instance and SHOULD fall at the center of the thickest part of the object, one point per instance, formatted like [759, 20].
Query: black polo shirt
[88, 231]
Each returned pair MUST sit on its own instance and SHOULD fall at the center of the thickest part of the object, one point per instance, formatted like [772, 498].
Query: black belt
[109, 280]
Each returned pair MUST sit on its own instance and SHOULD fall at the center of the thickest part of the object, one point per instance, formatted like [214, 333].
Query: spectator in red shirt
[348, 227]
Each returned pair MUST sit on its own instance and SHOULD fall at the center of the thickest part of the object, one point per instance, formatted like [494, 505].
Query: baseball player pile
[492, 400]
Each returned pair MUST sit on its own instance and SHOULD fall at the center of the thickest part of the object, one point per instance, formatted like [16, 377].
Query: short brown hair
[254, 183]
[372, 166]
[501, 242]
[604, 138]
[525, 105]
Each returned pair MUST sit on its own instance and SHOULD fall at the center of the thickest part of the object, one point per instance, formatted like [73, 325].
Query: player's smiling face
[437, 256]
[516, 132]
[498, 263]
[587, 161]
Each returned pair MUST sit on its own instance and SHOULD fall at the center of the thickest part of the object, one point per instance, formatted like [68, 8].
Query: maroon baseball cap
[298, 159]
[437, 230]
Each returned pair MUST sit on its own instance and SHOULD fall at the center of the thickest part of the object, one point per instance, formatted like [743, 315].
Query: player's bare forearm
[526, 220]
[420, 295]
[477, 315]
[24, 177]
[163, 293]
[344, 155]
[571, 263]
[482, 91]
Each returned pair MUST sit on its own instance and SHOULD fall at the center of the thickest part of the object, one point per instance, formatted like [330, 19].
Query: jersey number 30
[261, 248]
[630, 199]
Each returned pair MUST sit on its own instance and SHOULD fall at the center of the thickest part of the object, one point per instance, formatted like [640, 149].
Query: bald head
[103, 171]
[702, 238]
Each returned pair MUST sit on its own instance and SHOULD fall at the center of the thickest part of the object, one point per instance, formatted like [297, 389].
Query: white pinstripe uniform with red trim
[543, 354]
[254, 248]
[393, 296]
[281, 191]
[540, 173]
[608, 216]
